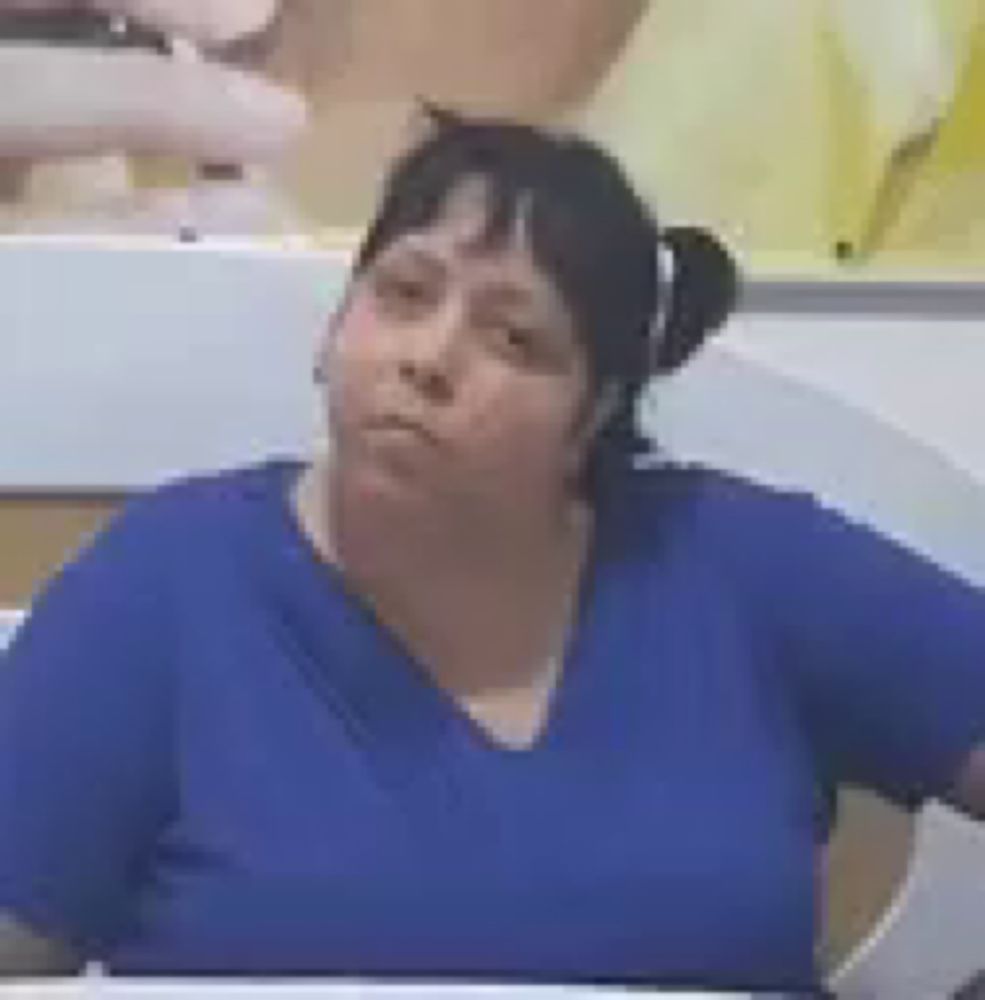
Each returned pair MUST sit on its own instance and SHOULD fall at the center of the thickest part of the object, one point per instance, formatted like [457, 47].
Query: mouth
[398, 424]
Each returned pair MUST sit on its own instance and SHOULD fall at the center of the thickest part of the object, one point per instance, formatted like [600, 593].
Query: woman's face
[455, 372]
[364, 65]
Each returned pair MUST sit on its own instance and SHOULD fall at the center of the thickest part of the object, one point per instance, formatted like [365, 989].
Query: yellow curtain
[811, 133]
[941, 222]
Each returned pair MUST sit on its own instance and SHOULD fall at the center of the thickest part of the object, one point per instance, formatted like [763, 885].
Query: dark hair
[973, 989]
[591, 233]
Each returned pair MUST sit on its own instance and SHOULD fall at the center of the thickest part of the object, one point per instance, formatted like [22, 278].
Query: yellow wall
[795, 127]
[37, 534]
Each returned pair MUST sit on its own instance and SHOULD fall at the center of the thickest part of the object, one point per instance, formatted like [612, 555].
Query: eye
[520, 339]
[402, 290]
[519, 343]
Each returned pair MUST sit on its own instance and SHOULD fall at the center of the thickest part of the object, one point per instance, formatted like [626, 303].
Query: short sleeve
[885, 648]
[84, 739]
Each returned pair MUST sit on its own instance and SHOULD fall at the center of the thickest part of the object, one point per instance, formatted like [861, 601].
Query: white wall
[123, 366]
[884, 416]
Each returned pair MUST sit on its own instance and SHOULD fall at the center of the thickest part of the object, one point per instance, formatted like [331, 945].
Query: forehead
[457, 238]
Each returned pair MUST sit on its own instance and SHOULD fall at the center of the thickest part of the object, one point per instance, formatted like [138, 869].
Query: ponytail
[701, 287]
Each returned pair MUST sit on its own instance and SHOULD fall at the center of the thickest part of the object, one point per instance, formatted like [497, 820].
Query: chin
[375, 479]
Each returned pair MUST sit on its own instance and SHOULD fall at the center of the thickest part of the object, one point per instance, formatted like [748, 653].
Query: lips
[400, 423]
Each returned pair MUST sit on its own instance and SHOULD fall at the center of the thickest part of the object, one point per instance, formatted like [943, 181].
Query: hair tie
[660, 321]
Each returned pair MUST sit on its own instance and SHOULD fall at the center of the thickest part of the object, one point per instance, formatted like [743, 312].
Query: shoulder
[162, 558]
[770, 541]
[172, 532]
[691, 497]
[205, 494]
[801, 560]
[197, 508]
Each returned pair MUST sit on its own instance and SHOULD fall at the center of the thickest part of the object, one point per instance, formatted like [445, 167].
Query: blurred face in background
[365, 64]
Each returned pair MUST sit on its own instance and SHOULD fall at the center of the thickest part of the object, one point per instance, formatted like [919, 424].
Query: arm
[883, 648]
[25, 953]
[85, 749]
[892, 667]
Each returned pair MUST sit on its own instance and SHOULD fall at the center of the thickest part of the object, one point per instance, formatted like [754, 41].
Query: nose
[429, 359]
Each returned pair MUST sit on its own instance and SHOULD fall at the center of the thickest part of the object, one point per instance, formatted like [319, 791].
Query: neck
[464, 544]
[492, 585]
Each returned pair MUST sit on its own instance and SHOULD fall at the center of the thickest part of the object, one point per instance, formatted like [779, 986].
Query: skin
[363, 64]
[72, 102]
[509, 56]
[62, 142]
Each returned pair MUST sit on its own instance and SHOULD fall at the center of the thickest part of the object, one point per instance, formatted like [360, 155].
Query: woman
[478, 694]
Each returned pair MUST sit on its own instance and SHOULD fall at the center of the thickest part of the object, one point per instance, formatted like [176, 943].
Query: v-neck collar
[355, 662]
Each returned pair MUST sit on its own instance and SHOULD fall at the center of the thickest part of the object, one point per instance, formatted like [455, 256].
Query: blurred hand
[72, 102]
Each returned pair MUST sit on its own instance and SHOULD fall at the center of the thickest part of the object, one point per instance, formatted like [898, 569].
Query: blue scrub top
[213, 759]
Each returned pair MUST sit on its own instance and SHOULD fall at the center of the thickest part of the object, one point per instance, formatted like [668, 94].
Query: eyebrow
[413, 253]
[506, 289]
[511, 295]
[502, 291]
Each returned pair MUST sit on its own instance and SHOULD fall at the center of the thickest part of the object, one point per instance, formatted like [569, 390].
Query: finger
[13, 176]
[82, 180]
[83, 101]
[210, 22]
[249, 208]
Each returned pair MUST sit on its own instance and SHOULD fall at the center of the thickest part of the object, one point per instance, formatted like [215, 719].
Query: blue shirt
[213, 759]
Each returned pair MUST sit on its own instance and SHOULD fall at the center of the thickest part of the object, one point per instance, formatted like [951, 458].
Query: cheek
[350, 358]
[528, 424]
